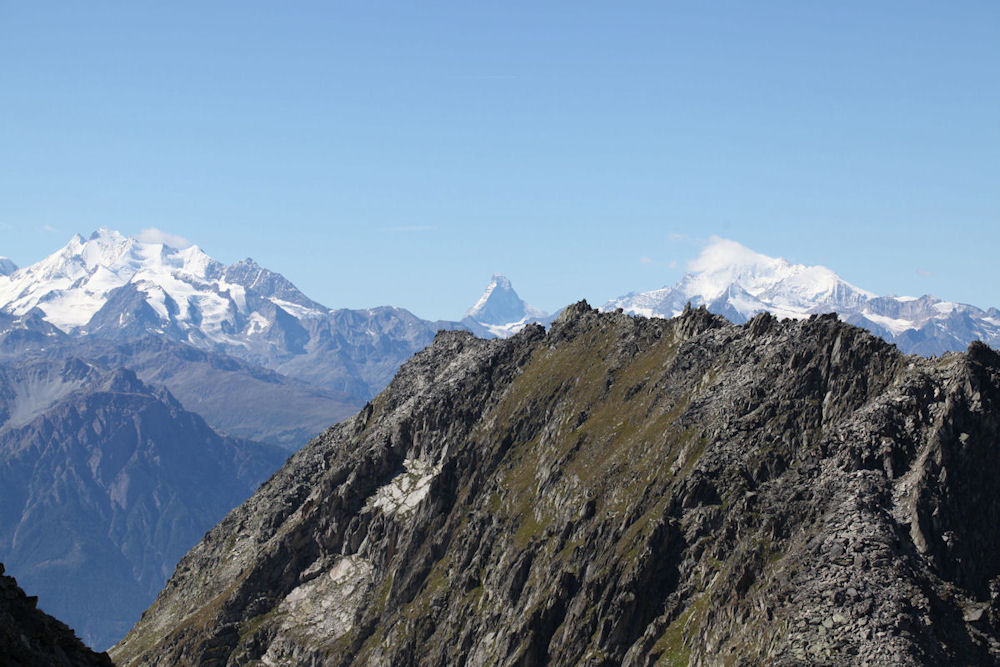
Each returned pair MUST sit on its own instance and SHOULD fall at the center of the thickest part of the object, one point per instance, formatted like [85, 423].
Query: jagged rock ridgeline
[29, 636]
[737, 283]
[620, 490]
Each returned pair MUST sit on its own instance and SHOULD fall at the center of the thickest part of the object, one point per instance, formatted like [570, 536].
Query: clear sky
[400, 153]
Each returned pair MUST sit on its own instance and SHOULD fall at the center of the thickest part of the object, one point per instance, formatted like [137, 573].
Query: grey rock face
[105, 482]
[620, 491]
[29, 636]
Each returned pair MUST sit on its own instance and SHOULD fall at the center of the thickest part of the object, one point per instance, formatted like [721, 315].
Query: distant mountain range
[297, 365]
[114, 287]
[105, 482]
[211, 333]
[737, 283]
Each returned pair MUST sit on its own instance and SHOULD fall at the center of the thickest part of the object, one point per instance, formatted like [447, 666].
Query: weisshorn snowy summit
[737, 283]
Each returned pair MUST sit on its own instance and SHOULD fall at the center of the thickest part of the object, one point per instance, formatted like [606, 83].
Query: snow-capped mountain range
[110, 296]
[111, 283]
[736, 282]
[501, 312]
[183, 289]
[270, 364]
[118, 287]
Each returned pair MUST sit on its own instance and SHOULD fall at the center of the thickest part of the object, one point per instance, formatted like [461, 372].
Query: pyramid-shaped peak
[501, 306]
[7, 266]
[499, 303]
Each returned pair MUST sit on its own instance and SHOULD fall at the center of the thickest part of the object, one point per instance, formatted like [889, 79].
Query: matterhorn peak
[500, 311]
[499, 303]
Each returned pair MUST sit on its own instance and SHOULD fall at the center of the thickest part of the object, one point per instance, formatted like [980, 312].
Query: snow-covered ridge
[184, 287]
[734, 281]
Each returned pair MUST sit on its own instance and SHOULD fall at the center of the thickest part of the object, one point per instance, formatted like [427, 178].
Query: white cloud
[49, 228]
[722, 252]
[645, 260]
[924, 273]
[154, 235]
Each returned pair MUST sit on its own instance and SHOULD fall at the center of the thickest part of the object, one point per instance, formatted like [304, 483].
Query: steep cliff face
[620, 491]
[28, 636]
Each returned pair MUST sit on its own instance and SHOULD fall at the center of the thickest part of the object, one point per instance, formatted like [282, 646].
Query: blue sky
[390, 153]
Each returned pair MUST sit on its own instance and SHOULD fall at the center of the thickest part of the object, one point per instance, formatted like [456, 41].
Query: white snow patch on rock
[323, 608]
[405, 491]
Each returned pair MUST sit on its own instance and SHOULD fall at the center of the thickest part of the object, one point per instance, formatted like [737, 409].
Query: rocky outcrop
[29, 636]
[620, 490]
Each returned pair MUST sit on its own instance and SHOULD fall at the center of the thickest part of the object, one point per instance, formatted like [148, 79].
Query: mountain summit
[115, 287]
[168, 288]
[737, 282]
[500, 311]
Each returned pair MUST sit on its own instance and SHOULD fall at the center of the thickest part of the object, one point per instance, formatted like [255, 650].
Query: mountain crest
[500, 311]
[179, 287]
[737, 282]
[499, 303]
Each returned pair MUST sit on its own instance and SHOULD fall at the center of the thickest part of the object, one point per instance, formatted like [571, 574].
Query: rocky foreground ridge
[29, 636]
[620, 490]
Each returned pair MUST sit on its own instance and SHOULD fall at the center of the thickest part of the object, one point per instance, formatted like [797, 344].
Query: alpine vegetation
[620, 490]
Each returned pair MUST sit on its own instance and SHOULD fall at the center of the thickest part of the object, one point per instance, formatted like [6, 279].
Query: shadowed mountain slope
[105, 483]
[30, 637]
